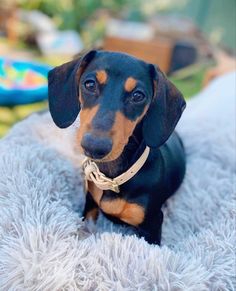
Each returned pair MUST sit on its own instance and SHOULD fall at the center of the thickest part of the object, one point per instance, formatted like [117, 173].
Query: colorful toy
[22, 82]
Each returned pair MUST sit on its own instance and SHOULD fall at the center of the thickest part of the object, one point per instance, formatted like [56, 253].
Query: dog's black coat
[164, 169]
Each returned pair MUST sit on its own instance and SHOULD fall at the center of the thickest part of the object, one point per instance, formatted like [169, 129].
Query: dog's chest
[116, 206]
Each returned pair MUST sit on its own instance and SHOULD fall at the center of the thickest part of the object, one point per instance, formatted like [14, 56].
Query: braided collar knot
[92, 173]
[89, 168]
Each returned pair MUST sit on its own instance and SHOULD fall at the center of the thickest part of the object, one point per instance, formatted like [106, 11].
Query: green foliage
[9, 116]
[82, 15]
[74, 14]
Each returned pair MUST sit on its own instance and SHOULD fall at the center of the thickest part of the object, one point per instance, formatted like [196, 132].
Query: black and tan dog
[125, 105]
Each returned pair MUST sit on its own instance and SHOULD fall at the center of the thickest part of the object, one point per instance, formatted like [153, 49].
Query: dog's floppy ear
[164, 112]
[63, 93]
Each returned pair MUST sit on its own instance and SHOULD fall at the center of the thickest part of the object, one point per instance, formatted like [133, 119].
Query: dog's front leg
[151, 227]
[91, 208]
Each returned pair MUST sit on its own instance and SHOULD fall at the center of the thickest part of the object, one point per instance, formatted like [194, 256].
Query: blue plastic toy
[22, 82]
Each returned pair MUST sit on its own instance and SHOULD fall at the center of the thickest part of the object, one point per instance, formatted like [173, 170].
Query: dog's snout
[96, 147]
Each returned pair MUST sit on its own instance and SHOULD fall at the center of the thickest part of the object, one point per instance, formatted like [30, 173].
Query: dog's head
[113, 92]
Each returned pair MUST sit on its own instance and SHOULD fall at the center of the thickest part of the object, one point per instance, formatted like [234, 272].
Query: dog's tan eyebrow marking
[130, 84]
[101, 77]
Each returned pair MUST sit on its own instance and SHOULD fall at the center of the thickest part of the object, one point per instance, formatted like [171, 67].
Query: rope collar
[92, 173]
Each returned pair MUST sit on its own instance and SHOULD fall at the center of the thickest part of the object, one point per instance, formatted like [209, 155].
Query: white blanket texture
[45, 245]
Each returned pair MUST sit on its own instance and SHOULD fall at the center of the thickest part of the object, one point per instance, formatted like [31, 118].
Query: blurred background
[191, 40]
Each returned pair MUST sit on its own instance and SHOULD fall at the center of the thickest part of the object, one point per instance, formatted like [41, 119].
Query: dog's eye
[90, 85]
[137, 97]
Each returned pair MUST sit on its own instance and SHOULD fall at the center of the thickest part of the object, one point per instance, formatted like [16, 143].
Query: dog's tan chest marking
[130, 213]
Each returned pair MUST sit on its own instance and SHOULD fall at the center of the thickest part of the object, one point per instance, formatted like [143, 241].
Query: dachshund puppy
[128, 109]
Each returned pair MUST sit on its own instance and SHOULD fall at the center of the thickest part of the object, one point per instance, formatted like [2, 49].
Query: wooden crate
[155, 51]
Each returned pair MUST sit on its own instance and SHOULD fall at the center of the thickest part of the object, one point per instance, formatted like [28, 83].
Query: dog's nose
[96, 147]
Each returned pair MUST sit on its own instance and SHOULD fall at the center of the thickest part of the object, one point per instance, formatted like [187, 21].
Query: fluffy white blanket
[44, 245]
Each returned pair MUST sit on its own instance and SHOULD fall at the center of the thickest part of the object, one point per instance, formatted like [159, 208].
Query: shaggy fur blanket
[44, 245]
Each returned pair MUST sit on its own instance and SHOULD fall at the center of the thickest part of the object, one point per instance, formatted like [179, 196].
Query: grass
[9, 116]
[191, 85]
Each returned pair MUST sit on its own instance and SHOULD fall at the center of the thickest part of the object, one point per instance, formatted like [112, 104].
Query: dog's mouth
[99, 157]
[95, 156]
[102, 151]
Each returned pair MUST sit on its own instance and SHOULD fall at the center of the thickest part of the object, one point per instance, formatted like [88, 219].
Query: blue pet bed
[22, 82]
